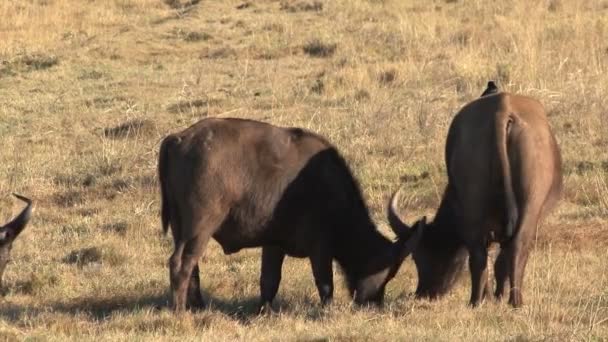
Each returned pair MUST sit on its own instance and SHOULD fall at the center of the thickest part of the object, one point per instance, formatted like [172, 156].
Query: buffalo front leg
[270, 277]
[478, 259]
[322, 270]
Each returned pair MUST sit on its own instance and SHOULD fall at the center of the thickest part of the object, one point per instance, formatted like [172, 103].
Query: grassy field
[89, 88]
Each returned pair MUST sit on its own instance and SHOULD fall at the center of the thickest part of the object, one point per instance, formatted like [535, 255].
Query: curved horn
[19, 222]
[399, 227]
[406, 244]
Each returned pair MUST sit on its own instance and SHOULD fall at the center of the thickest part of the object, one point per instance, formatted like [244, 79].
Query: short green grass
[88, 90]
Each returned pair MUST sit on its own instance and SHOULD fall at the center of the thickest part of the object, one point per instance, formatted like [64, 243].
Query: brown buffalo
[10, 231]
[250, 184]
[504, 176]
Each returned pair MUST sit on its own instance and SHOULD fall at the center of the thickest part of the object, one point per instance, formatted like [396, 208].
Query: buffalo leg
[478, 259]
[519, 251]
[175, 264]
[195, 298]
[270, 277]
[501, 271]
[193, 250]
[321, 262]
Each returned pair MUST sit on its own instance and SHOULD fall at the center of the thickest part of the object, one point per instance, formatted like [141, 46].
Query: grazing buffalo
[490, 89]
[504, 176]
[250, 184]
[10, 231]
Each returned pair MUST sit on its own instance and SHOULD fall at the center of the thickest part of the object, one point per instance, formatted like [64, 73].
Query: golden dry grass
[88, 89]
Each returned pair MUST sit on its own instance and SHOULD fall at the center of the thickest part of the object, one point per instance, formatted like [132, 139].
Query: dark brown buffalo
[250, 184]
[9, 232]
[504, 176]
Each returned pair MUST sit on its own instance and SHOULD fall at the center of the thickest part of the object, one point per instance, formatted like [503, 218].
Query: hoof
[265, 309]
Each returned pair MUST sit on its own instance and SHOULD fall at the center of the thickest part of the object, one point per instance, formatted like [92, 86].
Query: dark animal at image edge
[250, 184]
[10, 231]
[504, 176]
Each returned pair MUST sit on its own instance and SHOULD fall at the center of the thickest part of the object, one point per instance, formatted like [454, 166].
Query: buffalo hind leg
[192, 252]
[270, 277]
[195, 299]
[478, 260]
[175, 264]
[322, 270]
[519, 250]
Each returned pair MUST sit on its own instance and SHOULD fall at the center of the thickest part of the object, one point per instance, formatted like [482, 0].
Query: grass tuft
[317, 48]
[95, 255]
[387, 77]
[37, 283]
[39, 61]
[69, 198]
[129, 129]
[301, 6]
[119, 228]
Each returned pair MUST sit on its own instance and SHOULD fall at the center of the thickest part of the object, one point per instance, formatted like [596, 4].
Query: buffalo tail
[163, 163]
[504, 123]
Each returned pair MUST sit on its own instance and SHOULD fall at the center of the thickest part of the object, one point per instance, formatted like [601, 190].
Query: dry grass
[88, 89]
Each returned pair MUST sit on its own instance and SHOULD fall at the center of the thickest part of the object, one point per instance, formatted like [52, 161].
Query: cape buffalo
[250, 184]
[10, 231]
[504, 176]
[490, 89]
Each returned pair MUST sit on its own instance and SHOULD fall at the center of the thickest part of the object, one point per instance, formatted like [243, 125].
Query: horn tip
[23, 198]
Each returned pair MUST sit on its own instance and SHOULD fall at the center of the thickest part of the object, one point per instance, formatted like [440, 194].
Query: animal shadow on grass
[243, 309]
[102, 308]
[98, 308]
[246, 309]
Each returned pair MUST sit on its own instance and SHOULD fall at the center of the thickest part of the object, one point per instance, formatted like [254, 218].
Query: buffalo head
[438, 265]
[10, 231]
[371, 286]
